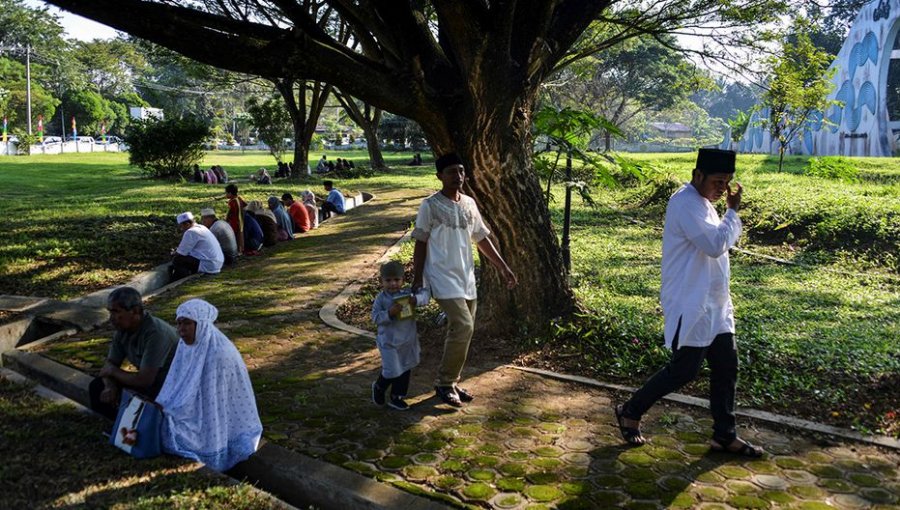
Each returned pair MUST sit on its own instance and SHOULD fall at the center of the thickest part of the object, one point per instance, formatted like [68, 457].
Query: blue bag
[138, 426]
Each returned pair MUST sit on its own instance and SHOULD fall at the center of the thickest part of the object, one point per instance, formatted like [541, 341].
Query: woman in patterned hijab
[208, 403]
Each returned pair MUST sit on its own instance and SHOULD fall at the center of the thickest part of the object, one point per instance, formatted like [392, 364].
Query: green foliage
[25, 142]
[12, 79]
[273, 121]
[832, 167]
[738, 125]
[166, 148]
[799, 85]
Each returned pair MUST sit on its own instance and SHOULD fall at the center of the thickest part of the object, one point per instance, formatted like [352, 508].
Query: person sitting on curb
[145, 341]
[267, 222]
[285, 227]
[222, 230]
[298, 213]
[209, 408]
[334, 202]
[198, 252]
[235, 216]
[312, 210]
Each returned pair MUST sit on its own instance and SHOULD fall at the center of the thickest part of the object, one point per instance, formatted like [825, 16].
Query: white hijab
[208, 401]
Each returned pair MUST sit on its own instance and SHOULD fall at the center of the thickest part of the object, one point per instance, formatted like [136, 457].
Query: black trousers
[183, 266]
[682, 369]
[111, 410]
[399, 385]
[329, 208]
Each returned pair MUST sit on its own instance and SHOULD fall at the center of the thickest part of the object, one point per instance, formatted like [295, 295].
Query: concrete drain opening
[29, 332]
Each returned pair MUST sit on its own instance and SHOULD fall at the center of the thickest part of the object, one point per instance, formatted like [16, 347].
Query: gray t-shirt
[225, 235]
[152, 345]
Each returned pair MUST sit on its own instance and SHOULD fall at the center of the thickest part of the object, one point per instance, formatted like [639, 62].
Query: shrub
[25, 142]
[166, 148]
[832, 167]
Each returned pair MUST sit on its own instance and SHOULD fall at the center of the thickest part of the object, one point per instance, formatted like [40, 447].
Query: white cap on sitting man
[185, 216]
[209, 211]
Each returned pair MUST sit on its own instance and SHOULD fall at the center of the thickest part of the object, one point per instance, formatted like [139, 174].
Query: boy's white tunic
[450, 228]
[696, 270]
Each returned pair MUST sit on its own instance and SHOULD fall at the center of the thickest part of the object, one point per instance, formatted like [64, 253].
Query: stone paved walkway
[526, 442]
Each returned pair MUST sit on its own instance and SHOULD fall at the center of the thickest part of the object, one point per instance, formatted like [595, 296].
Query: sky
[76, 26]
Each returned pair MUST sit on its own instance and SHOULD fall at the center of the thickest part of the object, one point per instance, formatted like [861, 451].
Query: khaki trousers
[460, 326]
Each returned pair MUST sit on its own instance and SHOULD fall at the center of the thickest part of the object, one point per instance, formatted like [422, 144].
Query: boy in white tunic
[446, 226]
[699, 316]
[397, 339]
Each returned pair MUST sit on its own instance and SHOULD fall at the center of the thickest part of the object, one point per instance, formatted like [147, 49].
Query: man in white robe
[696, 302]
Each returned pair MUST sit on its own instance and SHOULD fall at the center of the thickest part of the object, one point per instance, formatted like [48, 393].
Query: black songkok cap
[715, 161]
[447, 160]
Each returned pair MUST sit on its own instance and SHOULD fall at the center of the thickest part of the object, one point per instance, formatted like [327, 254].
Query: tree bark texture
[304, 119]
[367, 118]
[467, 72]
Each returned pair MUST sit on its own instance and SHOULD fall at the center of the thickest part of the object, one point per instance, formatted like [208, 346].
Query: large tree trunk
[376, 159]
[303, 118]
[503, 182]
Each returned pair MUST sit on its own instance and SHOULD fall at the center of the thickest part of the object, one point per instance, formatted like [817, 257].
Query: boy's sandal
[745, 450]
[631, 435]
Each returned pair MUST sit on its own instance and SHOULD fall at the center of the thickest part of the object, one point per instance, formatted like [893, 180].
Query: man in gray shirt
[145, 341]
[223, 232]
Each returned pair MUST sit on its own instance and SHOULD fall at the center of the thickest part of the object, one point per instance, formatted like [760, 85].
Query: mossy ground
[546, 442]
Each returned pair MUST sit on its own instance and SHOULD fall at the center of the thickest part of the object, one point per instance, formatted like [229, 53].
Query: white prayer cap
[185, 216]
[209, 211]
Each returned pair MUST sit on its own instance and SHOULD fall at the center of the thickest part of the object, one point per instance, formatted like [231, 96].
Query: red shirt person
[298, 213]
[235, 216]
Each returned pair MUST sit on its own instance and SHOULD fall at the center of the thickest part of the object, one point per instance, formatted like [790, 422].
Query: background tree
[468, 72]
[799, 85]
[273, 124]
[634, 76]
[166, 148]
[368, 118]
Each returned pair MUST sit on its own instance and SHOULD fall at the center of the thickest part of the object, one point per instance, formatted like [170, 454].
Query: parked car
[52, 140]
[109, 140]
[81, 139]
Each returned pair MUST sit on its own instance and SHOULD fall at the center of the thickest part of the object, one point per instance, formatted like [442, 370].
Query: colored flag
[4, 129]
[103, 131]
[41, 128]
[74, 130]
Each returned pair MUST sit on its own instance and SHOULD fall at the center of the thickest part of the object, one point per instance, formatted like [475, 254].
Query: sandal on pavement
[744, 450]
[631, 435]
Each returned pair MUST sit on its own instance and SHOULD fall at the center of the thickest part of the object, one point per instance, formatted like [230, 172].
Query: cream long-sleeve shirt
[696, 269]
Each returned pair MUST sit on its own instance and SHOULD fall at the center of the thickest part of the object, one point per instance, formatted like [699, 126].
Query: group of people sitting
[326, 166]
[214, 175]
[194, 373]
[207, 246]
[416, 160]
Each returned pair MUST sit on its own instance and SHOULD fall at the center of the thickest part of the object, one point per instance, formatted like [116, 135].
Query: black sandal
[746, 449]
[631, 435]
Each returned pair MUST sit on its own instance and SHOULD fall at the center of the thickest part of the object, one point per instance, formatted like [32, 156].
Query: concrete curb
[292, 477]
[328, 313]
[789, 421]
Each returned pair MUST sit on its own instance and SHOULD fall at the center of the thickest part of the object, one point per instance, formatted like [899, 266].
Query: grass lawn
[817, 340]
[814, 340]
[55, 457]
[81, 222]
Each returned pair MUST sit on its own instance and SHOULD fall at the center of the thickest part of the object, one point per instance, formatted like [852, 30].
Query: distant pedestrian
[397, 340]
[447, 224]
[696, 302]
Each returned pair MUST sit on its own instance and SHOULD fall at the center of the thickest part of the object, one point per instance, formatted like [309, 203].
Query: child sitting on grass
[397, 340]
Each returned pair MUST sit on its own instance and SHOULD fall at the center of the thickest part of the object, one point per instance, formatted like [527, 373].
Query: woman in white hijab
[309, 201]
[208, 403]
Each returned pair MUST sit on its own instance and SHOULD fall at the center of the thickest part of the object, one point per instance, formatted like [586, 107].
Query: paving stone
[770, 482]
[800, 477]
[850, 501]
[507, 500]
[578, 459]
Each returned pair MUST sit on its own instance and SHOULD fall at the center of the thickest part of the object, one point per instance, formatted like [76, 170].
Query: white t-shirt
[696, 270]
[200, 243]
[450, 228]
